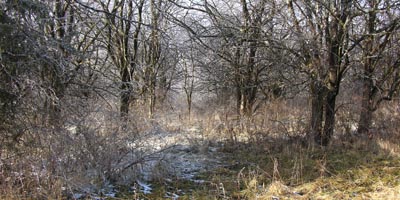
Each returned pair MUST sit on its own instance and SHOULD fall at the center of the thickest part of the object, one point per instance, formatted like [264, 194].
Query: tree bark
[329, 125]
[365, 121]
[317, 110]
[336, 41]
[118, 47]
[124, 100]
[57, 77]
[368, 85]
[367, 101]
[154, 54]
[252, 28]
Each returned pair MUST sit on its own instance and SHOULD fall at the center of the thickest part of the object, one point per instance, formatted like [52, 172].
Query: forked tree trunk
[329, 125]
[118, 49]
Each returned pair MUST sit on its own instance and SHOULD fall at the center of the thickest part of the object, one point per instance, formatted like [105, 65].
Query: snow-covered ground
[166, 155]
[182, 155]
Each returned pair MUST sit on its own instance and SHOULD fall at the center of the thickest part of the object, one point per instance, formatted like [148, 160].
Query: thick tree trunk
[121, 55]
[365, 121]
[368, 85]
[124, 102]
[55, 115]
[154, 54]
[57, 77]
[250, 101]
[317, 110]
[125, 85]
[366, 106]
[329, 125]
[247, 99]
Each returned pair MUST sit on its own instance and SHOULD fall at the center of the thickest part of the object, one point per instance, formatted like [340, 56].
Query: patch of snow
[162, 154]
[171, 195]
[145, 188]
[180, 154]
[353, 127]
[109, 191]
[198, 181]
[72, 129]
[110, 194]
[77, 196]
[212, 149]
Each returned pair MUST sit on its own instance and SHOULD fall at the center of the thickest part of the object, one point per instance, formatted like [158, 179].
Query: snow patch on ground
[187, 154]
[166, 155]
[145, 188]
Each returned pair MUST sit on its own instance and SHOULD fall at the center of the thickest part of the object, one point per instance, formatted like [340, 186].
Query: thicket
[84, 83]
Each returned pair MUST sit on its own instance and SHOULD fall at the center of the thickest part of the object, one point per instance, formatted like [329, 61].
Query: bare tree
[325, 46]
[380, 57]
[236, 36]
[153, 56]
[118, 26]
[188, 79]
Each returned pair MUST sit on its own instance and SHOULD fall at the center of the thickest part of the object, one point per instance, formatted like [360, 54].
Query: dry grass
[268, 165]
[268, 158]
[265, 158]
[333, 173]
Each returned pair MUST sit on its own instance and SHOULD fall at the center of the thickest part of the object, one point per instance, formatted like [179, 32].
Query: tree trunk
[189, 102]
[367, 101]
[124, 102]
[152, 99]
[368, 85]
[329, 125]
[365, 121]
[248, 99]
[238, 99]
[242, 102]
[154, 54]
[118, 47]
[57, 76]
[317, 110]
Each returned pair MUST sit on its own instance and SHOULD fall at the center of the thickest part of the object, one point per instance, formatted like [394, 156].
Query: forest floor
[177, 170]
[196, 166]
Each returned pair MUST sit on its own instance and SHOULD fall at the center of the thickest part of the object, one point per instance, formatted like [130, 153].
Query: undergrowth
[258, 163]
[361, 170]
